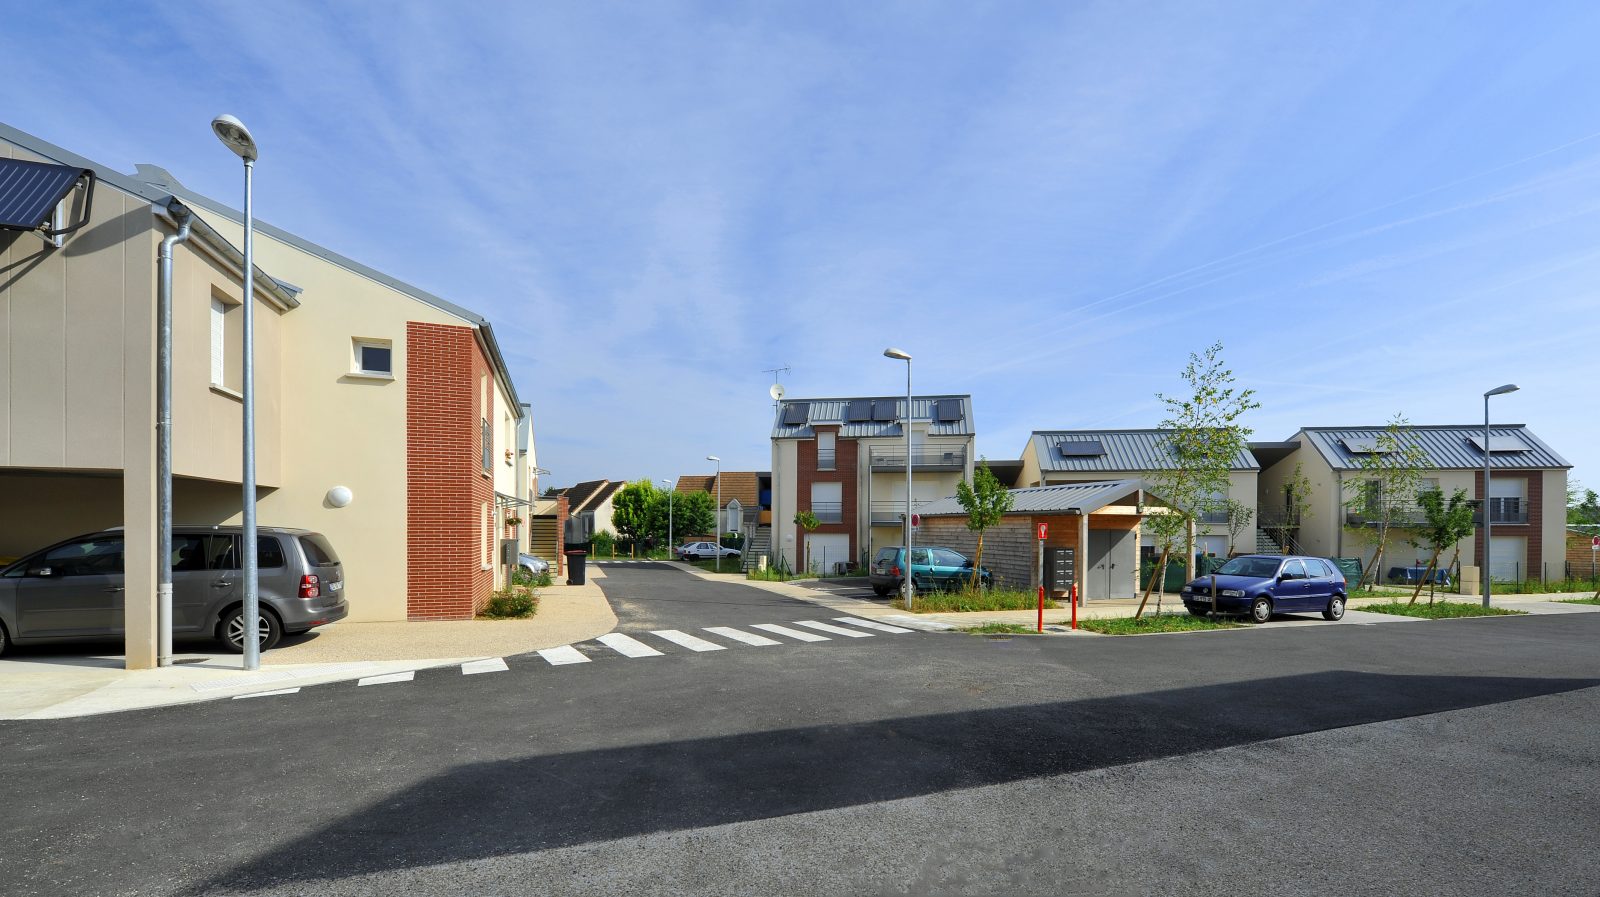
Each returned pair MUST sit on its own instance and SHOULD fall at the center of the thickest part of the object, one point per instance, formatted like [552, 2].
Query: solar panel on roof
[1081, 448]
[948, 410]
[860, 410]
[30, 191]
[795, 415]
[1501, 444]
[1363, 446]
[884, 410]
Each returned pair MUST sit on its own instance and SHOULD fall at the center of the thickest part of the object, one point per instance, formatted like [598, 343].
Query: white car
[533, 565]
[704, 550]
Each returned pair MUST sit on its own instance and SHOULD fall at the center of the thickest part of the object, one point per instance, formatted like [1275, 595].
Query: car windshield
[1261, 568]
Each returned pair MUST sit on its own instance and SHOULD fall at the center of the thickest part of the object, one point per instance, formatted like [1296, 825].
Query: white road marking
[263, 694]
[914, 623]
[627, 646]
[693, 643]
[387, 678]
[872, 624]
[492, 665]
[563, 655]
[791, 633]
[748, 638]
[829, 627]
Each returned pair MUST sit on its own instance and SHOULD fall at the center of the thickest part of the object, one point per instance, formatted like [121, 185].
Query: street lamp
[670, 545]
[718, 543]
[906, 357]
[1497, 391]
[236, 137]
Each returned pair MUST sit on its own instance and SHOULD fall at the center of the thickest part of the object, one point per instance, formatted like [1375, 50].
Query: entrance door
[1507, 556]
[825, 551]
[1108, 571]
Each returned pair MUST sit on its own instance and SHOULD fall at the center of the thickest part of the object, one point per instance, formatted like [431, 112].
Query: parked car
[73, 590]
[1264, 584]
[932, 567]
[704, 550]
[533, 565]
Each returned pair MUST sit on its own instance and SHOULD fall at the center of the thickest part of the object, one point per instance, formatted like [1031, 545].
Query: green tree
[1385, 487]
[1446, 524]
[1204, 436]
[1585, 510]
[693, 513]
[986, 501]
[1296, 493]
[1239, 517]
[630, 511]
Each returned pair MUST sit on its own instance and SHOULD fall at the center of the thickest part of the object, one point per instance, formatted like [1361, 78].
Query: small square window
[375, 357]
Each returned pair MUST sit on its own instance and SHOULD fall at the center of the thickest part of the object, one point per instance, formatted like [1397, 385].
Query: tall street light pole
[901, 354]
[1497, 391]
[670, 546]
[718, 543]
[235, 136]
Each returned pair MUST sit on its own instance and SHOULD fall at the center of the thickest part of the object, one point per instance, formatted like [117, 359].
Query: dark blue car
[1264, 584]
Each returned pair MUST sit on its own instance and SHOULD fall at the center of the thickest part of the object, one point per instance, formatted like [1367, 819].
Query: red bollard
[1074, 605]
[1041, 608]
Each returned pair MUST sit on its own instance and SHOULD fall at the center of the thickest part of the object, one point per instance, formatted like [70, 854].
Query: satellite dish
[776, 391]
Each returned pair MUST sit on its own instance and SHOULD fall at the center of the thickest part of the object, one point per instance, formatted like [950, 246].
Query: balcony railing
[828, 511]
[934, 458]
[1411, 514]
[892, 513]
[825, 459]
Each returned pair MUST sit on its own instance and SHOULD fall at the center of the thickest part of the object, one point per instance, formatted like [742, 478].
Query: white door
[1508, 557]
[825, 551]
[1214, 545]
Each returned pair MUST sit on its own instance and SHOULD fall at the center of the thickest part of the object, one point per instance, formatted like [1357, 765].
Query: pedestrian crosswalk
[662, 642]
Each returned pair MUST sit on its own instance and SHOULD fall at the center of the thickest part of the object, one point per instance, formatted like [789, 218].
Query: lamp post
[235, 136]
[906, 357]
[670, 545]
[718, 543]
[1497, 391]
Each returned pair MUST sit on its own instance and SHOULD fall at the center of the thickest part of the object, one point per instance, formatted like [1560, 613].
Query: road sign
[1044, 533]
[1594, 544]
[916, 520]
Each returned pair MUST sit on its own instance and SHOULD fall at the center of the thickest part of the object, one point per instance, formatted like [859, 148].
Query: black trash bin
[575, 560]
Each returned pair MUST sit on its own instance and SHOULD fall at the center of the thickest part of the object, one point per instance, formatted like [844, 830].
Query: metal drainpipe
[182, 216]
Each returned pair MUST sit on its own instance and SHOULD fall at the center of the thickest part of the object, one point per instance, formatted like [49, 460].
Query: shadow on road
[491, 809]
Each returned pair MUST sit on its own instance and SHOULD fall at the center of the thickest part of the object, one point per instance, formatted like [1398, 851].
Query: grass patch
[773, 574]
[1149, 624]
[534, 580]
[1001, 629]
[1535, 587]
[966, 602]
[515, 603]
[1443, 610]
[1580, 601]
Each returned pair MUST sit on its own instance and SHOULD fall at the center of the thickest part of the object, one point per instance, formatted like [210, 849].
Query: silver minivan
[73, 590]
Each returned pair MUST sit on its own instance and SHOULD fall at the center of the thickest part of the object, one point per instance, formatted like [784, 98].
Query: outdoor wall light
[340, 496]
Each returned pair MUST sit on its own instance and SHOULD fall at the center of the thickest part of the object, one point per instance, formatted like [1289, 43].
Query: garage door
[826, 551]
[1508, 558]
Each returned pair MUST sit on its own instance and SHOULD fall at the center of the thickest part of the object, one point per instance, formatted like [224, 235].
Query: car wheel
[232, 630]
[881, 591]
[1196, 610]
[1335, 611]
[4, 641]
[1261, 610]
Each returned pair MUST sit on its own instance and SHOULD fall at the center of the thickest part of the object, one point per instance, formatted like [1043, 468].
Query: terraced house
[386, 416]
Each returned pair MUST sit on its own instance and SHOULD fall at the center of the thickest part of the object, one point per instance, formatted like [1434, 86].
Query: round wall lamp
[340, 496]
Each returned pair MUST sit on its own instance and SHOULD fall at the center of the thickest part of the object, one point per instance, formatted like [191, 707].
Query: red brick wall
[1533, 529]
[444, 481]
[845, 455]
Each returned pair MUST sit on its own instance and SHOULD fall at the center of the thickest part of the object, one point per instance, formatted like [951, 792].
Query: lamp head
[901, 354]
[1502, 390]
[713, 458]
[235, 136]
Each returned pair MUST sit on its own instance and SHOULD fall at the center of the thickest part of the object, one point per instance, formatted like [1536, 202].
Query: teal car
[932, 567]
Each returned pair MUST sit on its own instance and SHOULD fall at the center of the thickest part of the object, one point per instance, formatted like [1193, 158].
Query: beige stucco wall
[785, 473]
[1554, 526]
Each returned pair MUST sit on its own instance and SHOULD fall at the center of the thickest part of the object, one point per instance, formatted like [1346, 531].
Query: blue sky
[1376, 207]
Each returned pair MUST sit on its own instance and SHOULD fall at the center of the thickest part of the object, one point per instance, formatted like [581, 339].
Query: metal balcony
[936, 458]
[828, 511]
[826, 459]
[892, 513]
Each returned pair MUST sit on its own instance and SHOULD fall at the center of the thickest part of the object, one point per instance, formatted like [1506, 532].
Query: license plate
[335, 586]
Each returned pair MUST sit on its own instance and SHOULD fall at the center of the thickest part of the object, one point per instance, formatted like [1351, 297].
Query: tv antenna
[777, 388]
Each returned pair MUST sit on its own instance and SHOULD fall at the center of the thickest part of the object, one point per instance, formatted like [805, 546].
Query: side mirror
[966, 565]
[45, 572]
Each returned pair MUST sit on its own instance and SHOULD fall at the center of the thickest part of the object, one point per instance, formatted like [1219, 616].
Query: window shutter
[219, 310]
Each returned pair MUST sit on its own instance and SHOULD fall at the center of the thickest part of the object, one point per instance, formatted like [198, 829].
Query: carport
[1097, 521]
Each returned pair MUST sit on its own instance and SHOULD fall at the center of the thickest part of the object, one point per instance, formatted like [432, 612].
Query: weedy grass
[965, 601]
[1441, 610]
[1152, 624]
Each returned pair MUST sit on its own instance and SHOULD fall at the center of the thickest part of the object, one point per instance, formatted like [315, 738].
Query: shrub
[511, 604]
[602, 543]
[537, 580]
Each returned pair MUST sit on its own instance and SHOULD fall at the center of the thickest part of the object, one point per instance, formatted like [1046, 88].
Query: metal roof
[30, 191]
[1448, 447]
[836, 412]
[1124, 450]
[1084, 498]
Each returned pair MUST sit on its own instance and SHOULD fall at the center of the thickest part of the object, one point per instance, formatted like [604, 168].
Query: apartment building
[1526, 497]
[844, 461]
[385, 418]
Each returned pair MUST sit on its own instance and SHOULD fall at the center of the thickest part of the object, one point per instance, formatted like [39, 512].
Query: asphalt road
[1441, 758]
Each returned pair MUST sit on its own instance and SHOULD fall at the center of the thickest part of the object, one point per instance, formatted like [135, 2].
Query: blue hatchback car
[1264, 584]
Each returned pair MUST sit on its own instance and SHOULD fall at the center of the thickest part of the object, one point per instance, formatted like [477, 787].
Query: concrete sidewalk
[68, 680]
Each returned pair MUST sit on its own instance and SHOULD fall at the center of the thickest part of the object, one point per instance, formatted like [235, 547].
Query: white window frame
[357, 343]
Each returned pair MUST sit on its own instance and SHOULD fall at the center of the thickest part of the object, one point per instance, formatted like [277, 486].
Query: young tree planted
[1446, 524]
[1240, 516]
[1385, 485]
[1296, 492]
[986, 501]
[1204, 436]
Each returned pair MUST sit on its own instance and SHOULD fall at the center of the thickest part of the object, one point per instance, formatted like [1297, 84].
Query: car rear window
[318, 552]
[888, 554]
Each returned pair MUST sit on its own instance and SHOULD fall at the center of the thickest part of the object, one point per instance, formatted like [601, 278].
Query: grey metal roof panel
[30, 191]
[836, 412]
[1086, 497]
[1125, 450]
[1448, 447]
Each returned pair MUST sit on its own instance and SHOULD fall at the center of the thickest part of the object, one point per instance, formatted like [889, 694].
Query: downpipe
[183, 217]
